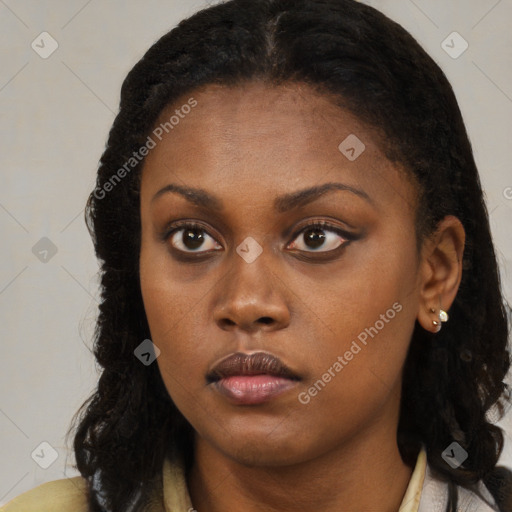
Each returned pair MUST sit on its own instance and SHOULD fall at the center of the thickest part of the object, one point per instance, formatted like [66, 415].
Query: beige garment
[69, 494]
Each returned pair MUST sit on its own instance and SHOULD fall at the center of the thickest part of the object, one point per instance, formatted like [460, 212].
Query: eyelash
[323, 225]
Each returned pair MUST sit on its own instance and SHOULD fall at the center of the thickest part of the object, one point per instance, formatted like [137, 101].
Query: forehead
[253, 114]
[280, 137]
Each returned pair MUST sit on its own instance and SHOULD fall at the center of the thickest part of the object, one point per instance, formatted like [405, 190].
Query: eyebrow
[284, 203]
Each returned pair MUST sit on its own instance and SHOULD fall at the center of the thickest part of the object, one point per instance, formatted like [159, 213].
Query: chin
[261, 451]
[254, 456]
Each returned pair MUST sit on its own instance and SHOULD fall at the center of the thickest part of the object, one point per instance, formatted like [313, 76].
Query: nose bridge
[250, 271]
[250, 290]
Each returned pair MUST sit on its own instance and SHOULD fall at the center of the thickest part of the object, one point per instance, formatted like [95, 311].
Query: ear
[440, 271]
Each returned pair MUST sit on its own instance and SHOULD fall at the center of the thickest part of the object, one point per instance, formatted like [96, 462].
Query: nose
[252, 297]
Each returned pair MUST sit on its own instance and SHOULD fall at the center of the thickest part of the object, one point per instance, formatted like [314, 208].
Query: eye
[193, 237]
[314, 236]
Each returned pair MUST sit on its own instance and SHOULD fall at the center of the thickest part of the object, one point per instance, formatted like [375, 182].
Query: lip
[251, 378]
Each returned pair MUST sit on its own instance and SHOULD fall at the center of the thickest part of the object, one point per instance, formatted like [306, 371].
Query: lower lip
[253, 389]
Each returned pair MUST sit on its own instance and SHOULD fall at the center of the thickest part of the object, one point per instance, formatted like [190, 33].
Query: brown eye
[192, 238]
[319, 235]
[316, 237]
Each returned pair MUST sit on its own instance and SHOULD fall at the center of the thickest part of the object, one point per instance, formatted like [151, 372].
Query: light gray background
[55, 114]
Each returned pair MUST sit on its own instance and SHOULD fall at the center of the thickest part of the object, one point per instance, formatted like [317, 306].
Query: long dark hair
[371, 66]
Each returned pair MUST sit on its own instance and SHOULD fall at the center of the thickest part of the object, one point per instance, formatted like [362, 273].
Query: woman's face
[336, 304]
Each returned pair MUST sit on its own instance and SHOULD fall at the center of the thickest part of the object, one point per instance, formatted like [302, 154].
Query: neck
[366, 473]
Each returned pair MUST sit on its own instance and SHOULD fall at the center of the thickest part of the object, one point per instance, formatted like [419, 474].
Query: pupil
[317, 238]
[190, 241]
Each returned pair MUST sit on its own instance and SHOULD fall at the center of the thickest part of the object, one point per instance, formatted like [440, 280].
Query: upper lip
[257, 363]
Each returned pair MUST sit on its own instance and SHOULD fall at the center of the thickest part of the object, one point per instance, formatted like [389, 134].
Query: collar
[177, 498]
[412, 496]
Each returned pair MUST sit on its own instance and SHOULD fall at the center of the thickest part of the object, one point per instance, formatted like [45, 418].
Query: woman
[294, 311]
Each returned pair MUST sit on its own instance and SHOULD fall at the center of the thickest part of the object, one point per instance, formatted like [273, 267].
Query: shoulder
[481, 502]
[56, 496]
[434, 496]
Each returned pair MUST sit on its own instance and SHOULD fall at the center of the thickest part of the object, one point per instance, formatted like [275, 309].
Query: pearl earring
[443, 317]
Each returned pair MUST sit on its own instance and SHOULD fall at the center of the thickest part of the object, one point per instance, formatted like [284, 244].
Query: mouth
[248, 379]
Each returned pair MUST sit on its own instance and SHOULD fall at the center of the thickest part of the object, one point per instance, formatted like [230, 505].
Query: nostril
[265, 320]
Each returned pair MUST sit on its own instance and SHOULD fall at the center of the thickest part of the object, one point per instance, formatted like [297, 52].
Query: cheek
[372, 296]
[176, 319]
[363, 357]
[169, 303]
[370, 313]
[358, 381]
[176, 301]
[173, 330]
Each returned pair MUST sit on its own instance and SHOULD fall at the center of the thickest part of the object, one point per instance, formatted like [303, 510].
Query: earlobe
[441, 273]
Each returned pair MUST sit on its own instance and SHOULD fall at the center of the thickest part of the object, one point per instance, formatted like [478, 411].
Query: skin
[246, 146]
